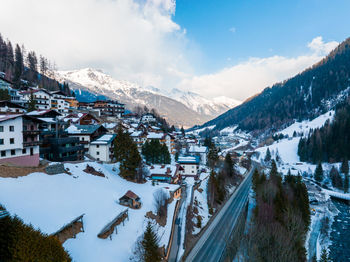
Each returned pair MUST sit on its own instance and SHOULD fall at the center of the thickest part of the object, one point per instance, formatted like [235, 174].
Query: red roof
[131, 195]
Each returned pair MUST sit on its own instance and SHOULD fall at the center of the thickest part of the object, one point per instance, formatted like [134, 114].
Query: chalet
[86, 133]
[102, 149]
[200, 151]
[130, 199]
[109, 108]
[58, 101]
[7, 107]
[148, 118]
[19, 140]
[81, 119]
[190, 165]
[139, 137]
[41, 96]
[165, 173]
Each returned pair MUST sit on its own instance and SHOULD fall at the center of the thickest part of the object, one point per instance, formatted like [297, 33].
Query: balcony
[31, 132]
[32, 143]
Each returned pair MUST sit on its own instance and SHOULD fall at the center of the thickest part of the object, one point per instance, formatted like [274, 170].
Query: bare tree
[160, 202]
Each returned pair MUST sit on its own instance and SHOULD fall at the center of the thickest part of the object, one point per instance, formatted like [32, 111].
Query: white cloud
[135, 40]
[252, 76]
[138, 40]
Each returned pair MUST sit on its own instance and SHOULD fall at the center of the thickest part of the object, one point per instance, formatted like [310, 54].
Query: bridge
[337, 194]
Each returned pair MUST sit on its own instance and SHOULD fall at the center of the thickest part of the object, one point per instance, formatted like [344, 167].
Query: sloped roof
[104, 139]
[189, 160]
[83, 129]
[131, 195]
[8, 117]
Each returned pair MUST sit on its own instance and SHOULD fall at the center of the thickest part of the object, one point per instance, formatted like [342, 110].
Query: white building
[102, 149]
[200, 151]
[148, 118]
[190, 165]
[19, 140]
[41, 96]
[9, 107]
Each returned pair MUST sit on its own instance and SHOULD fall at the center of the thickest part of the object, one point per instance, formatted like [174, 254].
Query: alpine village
[89, 176]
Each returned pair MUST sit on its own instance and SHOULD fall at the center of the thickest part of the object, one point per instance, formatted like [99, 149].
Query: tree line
[330, 143]
[155, 153]
[281, 218]
[25, 68]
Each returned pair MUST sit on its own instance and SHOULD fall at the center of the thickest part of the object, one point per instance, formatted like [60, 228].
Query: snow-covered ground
[305, 126]
[49, 202]
[200, 196]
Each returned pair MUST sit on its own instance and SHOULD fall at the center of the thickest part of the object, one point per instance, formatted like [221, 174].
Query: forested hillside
[330, 143]
[306, 95]
[24, 68]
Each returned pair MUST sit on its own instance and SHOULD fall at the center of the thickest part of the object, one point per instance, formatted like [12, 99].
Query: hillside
[304, 96]
[180, 108]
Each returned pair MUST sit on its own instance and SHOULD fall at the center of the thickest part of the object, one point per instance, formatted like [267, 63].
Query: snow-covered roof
[82, 129]
[136, 133]
[153, 135]
[104, 139]
[8, 117]
[188, 160]
[198, 149]
[47, 120]
[163, 169]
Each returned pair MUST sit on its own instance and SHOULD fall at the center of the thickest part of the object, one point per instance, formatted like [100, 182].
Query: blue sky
[261, 28]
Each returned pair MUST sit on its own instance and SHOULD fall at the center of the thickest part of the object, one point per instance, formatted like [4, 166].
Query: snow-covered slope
[50, 201]
[182, 108]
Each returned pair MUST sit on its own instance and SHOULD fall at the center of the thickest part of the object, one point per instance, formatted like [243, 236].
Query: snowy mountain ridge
[189, 107]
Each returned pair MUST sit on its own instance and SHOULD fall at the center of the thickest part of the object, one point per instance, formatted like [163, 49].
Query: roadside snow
[203, 209]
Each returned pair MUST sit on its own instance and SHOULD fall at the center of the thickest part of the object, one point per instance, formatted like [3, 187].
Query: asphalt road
[211, 246]
[176, 241]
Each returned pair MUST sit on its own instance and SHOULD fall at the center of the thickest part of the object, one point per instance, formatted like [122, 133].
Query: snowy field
[49, 202]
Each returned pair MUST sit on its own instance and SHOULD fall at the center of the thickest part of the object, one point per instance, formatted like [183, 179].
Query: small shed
[130, 199]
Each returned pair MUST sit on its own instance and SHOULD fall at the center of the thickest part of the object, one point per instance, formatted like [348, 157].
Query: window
[12, 140]
[97, 153]
[1, 141]
[3, 153]
[13, 152]
[24, 151]
[31, 151]
[1, 128]
[97, 146]
[12, 128]
[82, 139]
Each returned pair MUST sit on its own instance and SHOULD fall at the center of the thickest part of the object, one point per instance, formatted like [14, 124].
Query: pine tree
[228, 165]
[255, 180]
[336, 179]
[150, 244]
[182, 131]
[18, 65]
[268, 155]
[31, 103]
[324, 256]
[346, 183]
[345, 166]
[125, 152]
[319, 173]
[4, 94]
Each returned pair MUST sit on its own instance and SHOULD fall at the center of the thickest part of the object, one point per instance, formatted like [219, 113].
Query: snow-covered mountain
[179, 107]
